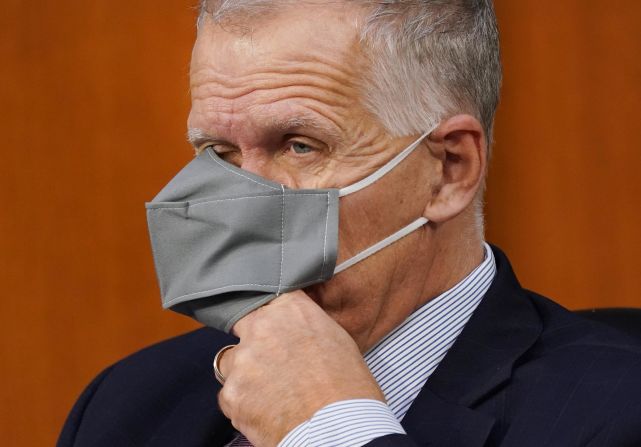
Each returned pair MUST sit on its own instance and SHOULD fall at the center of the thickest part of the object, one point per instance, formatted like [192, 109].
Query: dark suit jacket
[524, 372]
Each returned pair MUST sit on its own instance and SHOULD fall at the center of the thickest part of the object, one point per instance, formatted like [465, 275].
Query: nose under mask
[226, 241]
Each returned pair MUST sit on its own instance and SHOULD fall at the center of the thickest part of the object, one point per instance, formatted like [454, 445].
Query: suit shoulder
[564, 330]
[582, 359]
[581, 380]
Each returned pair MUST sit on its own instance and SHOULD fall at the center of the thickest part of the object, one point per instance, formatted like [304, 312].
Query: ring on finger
[217, 374]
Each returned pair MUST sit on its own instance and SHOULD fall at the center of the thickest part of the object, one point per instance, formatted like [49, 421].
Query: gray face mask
[226, 241]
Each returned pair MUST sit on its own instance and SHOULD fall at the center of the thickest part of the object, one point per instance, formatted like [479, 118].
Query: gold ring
[217, 374]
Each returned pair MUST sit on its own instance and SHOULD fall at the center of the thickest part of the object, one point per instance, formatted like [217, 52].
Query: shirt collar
[402, 362]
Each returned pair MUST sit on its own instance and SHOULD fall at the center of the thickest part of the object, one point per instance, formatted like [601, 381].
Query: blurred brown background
[94, 98]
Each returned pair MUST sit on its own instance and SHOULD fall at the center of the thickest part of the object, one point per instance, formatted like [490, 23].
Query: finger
[289, 296]
[296, 299]
[244, 325]
[224, 404]
[241, 326]
[228, 402]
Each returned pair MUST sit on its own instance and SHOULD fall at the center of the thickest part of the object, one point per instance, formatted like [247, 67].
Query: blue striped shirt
[401, 363]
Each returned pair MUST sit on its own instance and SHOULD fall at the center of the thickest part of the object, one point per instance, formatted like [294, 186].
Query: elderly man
[422, 334]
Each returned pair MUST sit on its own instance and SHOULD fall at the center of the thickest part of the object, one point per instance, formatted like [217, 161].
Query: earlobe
[459, 146]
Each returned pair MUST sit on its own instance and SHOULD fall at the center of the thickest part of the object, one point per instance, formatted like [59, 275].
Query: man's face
[283, 101]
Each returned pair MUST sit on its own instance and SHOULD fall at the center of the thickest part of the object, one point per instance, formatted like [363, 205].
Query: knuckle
[223, 403]
[297, 297]
[261, 328]
[227, 400]
[226, 361]
[242, 359]
[239, 356]
[243, 325]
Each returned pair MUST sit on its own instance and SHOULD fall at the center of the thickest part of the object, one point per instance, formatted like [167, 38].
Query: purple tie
[240, 441]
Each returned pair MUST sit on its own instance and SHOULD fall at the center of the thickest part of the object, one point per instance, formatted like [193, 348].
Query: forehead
[296, 34]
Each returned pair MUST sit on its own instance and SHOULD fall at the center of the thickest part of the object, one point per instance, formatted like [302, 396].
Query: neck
[445, 255]
[455, 256]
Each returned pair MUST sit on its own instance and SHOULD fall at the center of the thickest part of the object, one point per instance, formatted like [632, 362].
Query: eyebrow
[197, 137]
[302, 121]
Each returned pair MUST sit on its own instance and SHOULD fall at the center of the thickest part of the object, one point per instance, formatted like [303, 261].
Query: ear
[458, 145]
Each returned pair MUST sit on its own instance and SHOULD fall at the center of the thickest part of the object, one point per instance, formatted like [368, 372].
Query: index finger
[243, 325]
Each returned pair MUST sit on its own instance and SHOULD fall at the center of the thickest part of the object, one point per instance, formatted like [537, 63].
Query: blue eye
[301, 148]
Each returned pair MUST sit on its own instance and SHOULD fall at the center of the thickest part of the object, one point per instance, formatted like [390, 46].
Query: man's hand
[292, 360]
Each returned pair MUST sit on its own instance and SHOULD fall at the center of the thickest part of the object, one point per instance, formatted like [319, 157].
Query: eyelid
[313, 152]
[302, 143]
[307, 141]
[219, 148]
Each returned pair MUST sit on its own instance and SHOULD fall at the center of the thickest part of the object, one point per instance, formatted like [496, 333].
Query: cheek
[354, 307]
[374, 213]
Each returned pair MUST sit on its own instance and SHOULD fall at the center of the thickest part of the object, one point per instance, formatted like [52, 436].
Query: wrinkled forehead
[299, 33]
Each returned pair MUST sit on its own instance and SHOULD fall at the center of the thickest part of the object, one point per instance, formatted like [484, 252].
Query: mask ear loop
[387, 167]
[389, 240]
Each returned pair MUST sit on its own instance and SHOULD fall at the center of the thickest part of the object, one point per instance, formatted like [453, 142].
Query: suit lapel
[503, 327]
[195, 418]
[433, 421]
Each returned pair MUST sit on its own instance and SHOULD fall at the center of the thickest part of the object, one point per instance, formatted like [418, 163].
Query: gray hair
[430, 59]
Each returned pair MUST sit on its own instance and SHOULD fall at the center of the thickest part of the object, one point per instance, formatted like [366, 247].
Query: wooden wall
[94, 98]
[565, 185]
